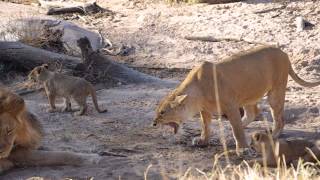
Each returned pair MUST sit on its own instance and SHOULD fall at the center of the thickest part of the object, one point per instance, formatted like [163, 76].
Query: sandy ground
[156, 33]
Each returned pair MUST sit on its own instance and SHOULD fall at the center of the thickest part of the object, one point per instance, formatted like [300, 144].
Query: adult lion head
[8, 134]
[171, 111]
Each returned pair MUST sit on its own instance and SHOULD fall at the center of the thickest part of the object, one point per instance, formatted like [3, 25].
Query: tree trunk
[28, 57]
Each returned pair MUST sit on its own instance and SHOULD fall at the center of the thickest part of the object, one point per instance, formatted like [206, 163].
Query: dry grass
[26, 2]
[31, 31]
[203, 1]
[303, 171]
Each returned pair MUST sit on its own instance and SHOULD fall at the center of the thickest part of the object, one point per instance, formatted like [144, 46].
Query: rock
[71, 33]
[304, 63]
[314, 110]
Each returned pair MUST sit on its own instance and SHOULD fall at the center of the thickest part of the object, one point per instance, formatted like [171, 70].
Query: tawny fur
[276, 149]
[68, 87]
[238, 81]
[20, 136]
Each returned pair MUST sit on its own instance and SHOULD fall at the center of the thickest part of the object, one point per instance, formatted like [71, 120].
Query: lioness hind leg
[276, 99]
[251, 112]
[203, 140]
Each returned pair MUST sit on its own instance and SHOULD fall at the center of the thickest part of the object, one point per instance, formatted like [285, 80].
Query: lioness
[274, 149]
[56, 84]
[20, 135]
[238, 81]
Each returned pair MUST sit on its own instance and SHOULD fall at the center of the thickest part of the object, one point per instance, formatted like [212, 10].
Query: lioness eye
[162, 113]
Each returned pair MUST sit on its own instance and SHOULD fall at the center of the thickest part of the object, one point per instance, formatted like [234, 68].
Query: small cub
[292, 150]
[57, 84]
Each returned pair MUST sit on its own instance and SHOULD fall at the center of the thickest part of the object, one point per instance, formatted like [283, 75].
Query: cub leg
[203, 140]
[67, 103]
[276, 99]
[82, 102]
[51, 97]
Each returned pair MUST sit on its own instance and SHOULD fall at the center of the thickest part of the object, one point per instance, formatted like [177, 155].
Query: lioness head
[259, 138]
[36, 74]
[8, 126]
[171, 111]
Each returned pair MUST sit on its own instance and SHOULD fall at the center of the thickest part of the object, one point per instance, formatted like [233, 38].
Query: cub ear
[178, 100]
[46, 66]
[38, 70]
[257, 136]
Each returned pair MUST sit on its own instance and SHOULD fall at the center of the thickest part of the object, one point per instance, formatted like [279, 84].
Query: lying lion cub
[20, 136]
[238, 81]
[292, 150]
[56, 84]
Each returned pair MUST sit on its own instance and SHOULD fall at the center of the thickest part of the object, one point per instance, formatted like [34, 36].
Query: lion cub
[292, 150]
[56, 84]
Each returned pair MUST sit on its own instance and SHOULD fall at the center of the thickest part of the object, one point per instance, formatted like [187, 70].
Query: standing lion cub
[56, 84]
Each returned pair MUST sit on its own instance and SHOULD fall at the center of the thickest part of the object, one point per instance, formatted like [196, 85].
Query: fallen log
[28, 57]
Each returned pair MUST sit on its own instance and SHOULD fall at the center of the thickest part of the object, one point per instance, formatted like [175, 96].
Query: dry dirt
[155, 32]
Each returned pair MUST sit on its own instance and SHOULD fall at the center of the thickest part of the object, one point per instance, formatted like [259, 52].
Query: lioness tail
[300, 81]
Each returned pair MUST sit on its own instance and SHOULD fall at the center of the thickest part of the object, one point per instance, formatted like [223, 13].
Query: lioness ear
[178, 100]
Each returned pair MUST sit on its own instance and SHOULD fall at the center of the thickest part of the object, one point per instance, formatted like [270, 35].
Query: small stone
[304, 63]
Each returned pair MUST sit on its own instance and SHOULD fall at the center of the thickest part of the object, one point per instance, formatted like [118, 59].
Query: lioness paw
[198, 142]
[246, 152]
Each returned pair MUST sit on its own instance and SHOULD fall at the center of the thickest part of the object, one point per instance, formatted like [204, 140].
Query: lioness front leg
[203, 140]
[238, 133]
[5, 165]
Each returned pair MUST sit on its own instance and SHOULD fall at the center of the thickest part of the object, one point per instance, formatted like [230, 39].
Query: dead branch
[89, 8]
[271, 9]
[213, 39]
